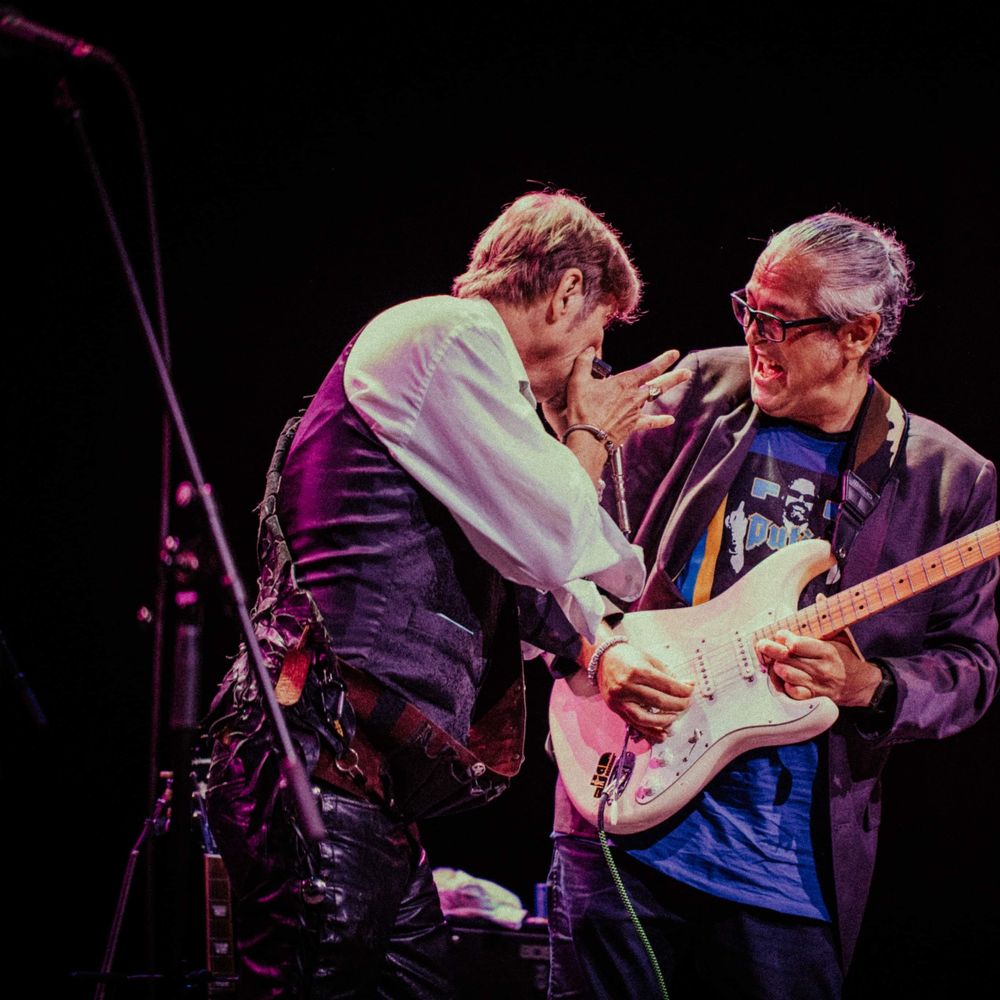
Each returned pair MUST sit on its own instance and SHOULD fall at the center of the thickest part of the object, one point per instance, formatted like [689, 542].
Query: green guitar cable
[617, 878]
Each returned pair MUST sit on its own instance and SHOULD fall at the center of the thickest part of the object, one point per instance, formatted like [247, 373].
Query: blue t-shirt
[754, 835]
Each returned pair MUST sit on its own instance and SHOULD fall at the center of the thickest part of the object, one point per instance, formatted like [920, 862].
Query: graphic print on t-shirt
[749, 836]
[748, 533]
[783, 494]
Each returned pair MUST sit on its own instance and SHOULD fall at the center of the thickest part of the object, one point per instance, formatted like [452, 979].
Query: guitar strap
[876, 444]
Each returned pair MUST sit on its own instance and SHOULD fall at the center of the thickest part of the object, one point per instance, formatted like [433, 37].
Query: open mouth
[765, 370]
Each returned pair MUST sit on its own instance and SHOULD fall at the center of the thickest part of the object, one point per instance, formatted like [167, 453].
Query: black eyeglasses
[769, 326]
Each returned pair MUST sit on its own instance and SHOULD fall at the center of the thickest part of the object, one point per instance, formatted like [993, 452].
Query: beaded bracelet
[595, 659]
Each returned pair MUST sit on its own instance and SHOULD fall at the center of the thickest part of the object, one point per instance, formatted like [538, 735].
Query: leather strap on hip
[403, 760]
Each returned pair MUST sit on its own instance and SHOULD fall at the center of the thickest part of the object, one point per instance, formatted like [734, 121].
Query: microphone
[16, 26]
[601, 369]
[618, 482]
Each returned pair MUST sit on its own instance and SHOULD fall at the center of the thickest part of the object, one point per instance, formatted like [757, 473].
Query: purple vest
[403, 594]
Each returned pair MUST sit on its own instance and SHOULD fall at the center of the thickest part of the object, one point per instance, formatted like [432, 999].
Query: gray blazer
[941, 646]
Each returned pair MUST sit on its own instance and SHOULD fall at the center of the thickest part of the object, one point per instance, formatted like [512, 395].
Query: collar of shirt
[510, 351]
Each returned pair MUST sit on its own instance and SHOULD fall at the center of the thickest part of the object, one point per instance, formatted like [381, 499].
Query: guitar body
[735, 707]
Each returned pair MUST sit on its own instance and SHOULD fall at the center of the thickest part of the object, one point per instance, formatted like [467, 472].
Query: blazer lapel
[704, 488]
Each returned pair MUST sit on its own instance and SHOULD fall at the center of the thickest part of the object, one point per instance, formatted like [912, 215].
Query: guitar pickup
[702, 674]
[746, 659]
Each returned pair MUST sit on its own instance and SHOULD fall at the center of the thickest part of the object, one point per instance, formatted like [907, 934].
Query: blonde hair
[522, 254]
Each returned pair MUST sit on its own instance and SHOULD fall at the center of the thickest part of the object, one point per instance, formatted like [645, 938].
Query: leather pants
[356, 915]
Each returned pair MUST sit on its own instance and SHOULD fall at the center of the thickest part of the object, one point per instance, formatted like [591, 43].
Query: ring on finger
[652, 392]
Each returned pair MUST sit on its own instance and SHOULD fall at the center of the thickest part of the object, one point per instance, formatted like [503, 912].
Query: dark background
[310, 173]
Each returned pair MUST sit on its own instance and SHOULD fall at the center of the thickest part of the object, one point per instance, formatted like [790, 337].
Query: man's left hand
[803, 667]
[616, 404]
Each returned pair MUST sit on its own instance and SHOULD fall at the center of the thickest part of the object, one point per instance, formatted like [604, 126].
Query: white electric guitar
[735, 707]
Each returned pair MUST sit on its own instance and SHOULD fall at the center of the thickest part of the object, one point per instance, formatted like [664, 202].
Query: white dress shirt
[439, 382]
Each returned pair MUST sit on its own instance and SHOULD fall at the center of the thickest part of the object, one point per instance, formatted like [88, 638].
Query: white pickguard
[735, 707]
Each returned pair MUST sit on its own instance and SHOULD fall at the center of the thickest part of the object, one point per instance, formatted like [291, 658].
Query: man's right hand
[638, 687]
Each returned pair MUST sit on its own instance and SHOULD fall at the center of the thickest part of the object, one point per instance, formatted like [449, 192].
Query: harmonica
[599, 368]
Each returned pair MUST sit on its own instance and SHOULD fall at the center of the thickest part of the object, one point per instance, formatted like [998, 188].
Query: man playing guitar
[757, 885]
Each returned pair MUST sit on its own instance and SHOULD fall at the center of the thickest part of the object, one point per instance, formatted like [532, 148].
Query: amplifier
[493, 963]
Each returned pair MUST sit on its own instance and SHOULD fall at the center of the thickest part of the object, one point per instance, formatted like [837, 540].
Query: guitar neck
[830, 615]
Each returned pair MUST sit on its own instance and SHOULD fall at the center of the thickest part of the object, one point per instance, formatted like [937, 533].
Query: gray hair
[863, 270]
[522, 255]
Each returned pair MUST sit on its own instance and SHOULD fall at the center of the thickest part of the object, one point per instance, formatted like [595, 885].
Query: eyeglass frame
[785, 324]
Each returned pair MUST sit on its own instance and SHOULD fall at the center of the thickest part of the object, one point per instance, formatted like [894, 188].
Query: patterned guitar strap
[876, 445]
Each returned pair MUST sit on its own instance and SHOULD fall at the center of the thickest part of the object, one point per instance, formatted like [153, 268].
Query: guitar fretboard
[830, 615]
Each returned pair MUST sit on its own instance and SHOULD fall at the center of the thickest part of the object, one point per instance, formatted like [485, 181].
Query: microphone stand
[154, 824]
[293, 773]
[292, 768]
